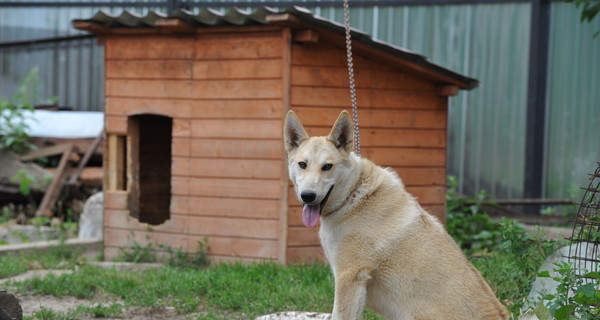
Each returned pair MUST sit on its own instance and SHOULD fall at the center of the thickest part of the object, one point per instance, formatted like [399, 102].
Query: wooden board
[151, 47]
[237, 69]
[244, 129]
[366, 98]
[170, 107]
[227, 188]
[234, 227]
[53, 190]
[149, 69]
[303, 236]
[188, 89]
[226, 207]
[305, 255]
[120, 219]
[116, 162]
[232, 168]
[238, 148]
[236, 247]
[376, 118]
[238, 109]
[115, 199]
[406, 156]
[119, 238]
[247, 47]
[337, 77]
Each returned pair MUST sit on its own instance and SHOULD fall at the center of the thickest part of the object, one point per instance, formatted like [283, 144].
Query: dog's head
[316, 164]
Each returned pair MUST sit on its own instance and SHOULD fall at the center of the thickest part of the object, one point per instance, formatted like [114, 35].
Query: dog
[386, 252]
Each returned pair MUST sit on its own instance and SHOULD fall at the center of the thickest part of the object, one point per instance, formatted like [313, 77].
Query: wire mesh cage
[584, 252]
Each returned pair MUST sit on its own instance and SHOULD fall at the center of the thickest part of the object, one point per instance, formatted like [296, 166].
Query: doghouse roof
[184, 21]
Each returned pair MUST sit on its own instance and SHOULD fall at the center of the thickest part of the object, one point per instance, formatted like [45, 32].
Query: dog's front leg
[350, 294]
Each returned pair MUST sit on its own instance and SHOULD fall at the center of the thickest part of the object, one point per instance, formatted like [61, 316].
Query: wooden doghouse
[194, 115]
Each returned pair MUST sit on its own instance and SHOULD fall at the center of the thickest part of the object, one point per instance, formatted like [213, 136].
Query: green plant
[181, 259]
[590, 9]
[14, 128]
[574, 298]
[12, 264]
[138, 253]
[173, 257]
[40, 221]
[95, 311]
[466, 221]
[512, 266]
[6, 215]
[22, 236]
[24, 179]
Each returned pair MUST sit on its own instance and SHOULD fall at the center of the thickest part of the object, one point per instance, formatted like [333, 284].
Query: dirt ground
[33, 303]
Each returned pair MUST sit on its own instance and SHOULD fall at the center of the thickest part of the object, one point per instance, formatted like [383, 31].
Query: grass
[243, 290]
[56, 258]
[235, 291]
[225, 291]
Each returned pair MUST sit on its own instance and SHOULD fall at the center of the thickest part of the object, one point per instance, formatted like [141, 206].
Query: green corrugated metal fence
[489, 42]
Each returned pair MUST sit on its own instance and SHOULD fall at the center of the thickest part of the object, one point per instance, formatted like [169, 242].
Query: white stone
[296, 315]
[91, 220]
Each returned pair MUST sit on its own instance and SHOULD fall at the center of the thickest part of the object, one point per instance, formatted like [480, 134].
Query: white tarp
[64, 124]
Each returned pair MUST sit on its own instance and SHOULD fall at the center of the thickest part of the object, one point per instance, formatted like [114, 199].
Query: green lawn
[505, 254]
[225, 291]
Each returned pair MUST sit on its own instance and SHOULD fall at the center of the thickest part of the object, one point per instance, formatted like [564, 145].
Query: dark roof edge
[304, 14]
[102, 21]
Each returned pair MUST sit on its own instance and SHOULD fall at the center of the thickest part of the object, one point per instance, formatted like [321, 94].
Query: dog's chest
[331, 236]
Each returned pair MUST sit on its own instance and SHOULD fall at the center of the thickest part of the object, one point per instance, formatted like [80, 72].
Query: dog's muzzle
[312, 212]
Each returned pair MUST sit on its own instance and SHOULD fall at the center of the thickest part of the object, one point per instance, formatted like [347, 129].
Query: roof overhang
[297, 18]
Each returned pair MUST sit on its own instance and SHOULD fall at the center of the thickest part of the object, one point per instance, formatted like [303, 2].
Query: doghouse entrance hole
[150, 154]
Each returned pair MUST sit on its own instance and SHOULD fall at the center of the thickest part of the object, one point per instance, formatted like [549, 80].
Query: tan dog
[386, 252]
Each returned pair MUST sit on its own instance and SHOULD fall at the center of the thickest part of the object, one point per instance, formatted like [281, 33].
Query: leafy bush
[13, 129]
[574, 299]
[25, 179]
[466, 222]
[507, 256]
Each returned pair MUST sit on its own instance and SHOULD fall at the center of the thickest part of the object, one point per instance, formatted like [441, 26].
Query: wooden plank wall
[402, 125]
[224, 92]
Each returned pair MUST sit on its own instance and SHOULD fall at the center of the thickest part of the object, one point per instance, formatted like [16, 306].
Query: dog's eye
[327, 167]
[302, 165]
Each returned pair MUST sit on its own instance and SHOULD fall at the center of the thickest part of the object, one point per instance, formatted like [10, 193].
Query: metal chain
[351, 75]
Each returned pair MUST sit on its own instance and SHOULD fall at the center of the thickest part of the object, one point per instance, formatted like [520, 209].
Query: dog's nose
[308, 196]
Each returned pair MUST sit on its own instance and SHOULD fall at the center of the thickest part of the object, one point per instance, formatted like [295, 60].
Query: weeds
[467, 223]
[174, 257]
[507, 256]
[512, 267]
[574, 298]
[13, 131]
[138, 253]
[96, 311]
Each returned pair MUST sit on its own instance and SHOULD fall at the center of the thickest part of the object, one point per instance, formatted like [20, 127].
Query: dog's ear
[293, 132]
[342, 134]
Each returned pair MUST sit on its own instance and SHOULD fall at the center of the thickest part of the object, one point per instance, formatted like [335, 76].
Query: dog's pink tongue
[310, 214]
